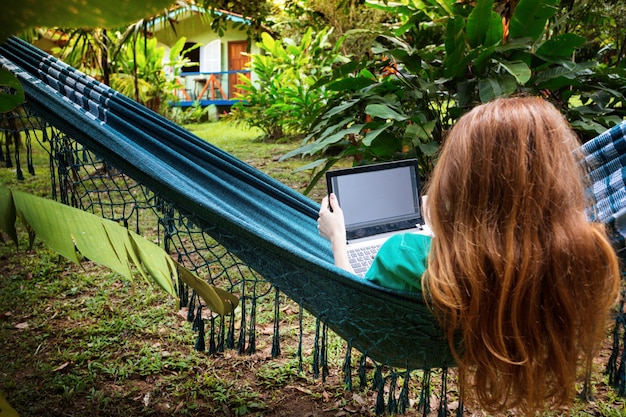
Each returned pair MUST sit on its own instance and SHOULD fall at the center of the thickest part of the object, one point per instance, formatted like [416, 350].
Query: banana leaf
[76, 234]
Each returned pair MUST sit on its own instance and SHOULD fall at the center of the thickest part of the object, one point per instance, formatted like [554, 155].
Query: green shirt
[401, 262]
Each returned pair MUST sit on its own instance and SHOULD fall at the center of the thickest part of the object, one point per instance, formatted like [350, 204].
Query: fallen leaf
[58, 368]
[183, 312]
[358, 399]
[22, 326]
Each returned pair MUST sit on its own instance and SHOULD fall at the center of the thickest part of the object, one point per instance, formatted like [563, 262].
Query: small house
[218, 62]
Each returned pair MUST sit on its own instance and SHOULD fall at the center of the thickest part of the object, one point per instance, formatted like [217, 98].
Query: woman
[513, 267]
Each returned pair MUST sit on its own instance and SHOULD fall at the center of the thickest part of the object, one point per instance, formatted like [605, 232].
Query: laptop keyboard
[361, 258]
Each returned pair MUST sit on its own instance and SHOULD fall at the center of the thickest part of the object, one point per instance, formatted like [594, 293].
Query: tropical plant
[75, 234]
[256, 12]
[139, 73]
[296, 16]
[281, 99]
[446, 57]
[89, 50]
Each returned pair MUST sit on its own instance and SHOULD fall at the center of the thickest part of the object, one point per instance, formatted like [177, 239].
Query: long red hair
[515, 269]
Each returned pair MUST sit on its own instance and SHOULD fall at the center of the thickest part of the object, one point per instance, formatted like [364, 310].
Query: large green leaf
[565, 74]
[561, 46]
[228, 301]
[74, 234]
[36, 213]
[351, 84]
[455, 37]
[7, 214]
[374, 133]
[326, 141]
[384, 112]
[530, 18]
[495, 34]
[14, 96]
[455, 65]
[517, 69]
[493, 87]
[479, 22]
[22, 15]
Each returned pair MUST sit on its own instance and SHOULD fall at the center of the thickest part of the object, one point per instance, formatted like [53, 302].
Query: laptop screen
[377, 198]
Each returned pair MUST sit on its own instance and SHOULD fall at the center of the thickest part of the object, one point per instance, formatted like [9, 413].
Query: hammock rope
[237, 227]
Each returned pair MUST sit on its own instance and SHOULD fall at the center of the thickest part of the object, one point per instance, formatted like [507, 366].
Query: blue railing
[207, 88]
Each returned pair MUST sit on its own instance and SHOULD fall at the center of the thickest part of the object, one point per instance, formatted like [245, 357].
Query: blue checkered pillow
[606, 161]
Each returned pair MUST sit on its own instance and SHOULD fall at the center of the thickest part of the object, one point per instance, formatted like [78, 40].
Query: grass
[247, 145]
[81, 340]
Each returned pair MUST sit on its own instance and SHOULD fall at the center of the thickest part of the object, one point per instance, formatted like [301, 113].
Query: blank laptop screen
[377, 199]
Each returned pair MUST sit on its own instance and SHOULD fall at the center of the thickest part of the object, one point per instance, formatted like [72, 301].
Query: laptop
[378, 201]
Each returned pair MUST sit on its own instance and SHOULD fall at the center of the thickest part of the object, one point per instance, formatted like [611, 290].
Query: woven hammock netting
[230, 224]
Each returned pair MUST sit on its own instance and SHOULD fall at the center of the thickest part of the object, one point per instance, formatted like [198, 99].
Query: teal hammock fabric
[267, 225]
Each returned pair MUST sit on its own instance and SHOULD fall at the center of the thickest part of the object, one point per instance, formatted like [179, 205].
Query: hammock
[267, 225]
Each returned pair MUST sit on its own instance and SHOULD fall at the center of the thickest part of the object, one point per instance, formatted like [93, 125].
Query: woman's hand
[331, 223]
[332, 226]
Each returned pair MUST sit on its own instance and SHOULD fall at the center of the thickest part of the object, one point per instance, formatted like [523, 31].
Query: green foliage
[92, 13]
[138, 71]
[177, 60]
[195, 113]
[11, 91]
[445, 58]
[91, 51]
[74, 234]
[281, 99]
[363, 22]
[257, 13]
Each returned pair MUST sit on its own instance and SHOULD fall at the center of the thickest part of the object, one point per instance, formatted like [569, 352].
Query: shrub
[280, 99]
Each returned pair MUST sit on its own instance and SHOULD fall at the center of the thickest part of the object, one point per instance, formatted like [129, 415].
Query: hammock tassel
[443, 402]
[621, 372]
[424, 401]
[459, 411]
[403, 398]
[347, 367]
[276, 336]
[222, 335]
[241, 344]
[29, 156]
[615, 371]
[252, 338]
[198, 325]
[378, 385]
[191, 308]
[324, 352]
[316, 350]
[392, 404]
[301, 335]
[362, 372]
[212, 344]
[230, 339]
